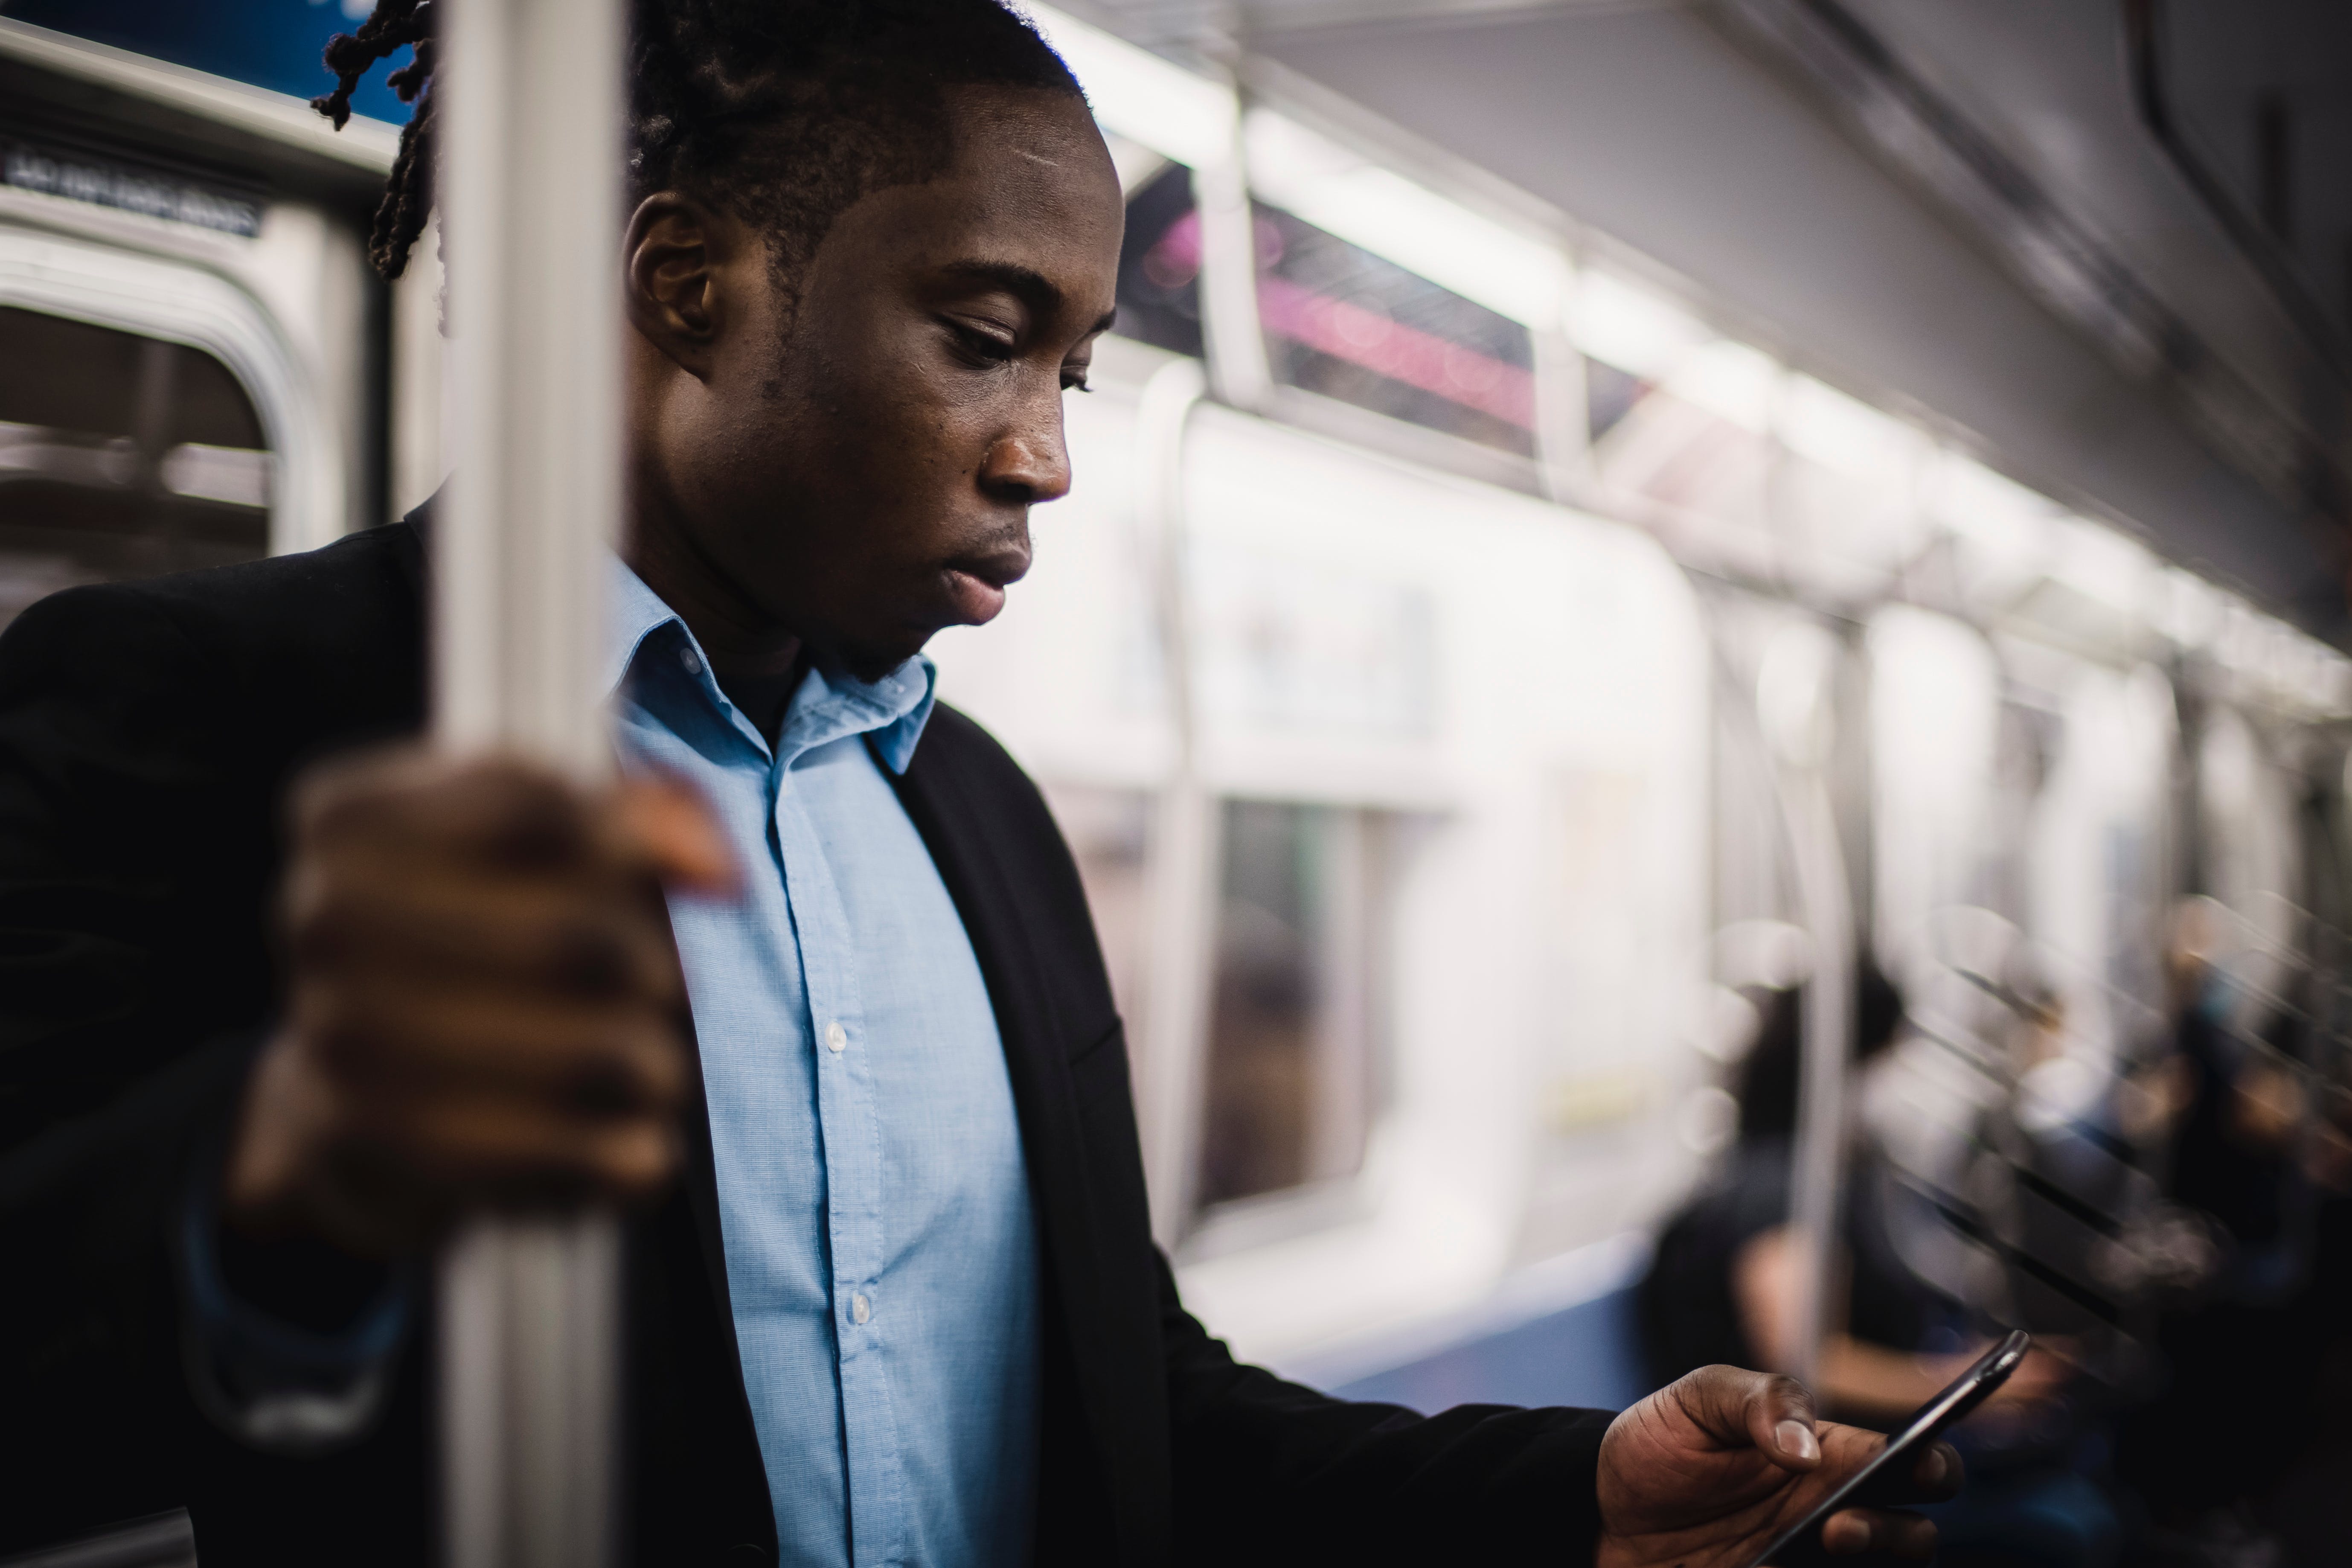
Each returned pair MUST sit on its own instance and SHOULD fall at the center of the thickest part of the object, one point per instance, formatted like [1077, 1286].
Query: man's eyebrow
[1026, 284]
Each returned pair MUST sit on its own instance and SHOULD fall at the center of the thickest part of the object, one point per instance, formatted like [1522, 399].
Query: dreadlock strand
[407, 204]
[392, 26]
[408, 83]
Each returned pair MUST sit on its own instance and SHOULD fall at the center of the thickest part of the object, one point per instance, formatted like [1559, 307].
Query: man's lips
[974, 599]
[976, 583]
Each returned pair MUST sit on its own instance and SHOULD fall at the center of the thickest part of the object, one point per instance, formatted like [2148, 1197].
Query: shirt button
[860, 1309]
[836, 1039]
[691, 659]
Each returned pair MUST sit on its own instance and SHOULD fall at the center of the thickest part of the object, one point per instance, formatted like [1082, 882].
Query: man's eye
[1074, 381]
[981, 344]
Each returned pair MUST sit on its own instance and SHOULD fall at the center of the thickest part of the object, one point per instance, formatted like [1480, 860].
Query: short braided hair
[785, 113]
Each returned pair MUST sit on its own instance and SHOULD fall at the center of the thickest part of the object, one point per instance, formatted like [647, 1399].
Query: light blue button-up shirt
[881, 1255]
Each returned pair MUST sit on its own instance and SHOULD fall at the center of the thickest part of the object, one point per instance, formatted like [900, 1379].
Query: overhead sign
[103, 183]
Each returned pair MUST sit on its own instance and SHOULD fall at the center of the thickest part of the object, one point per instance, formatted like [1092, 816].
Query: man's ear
[672, 279]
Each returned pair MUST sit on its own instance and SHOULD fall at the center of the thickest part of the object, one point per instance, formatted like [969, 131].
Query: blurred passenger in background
[1722, 1286]
[2257, 1343]
[2234, 1103]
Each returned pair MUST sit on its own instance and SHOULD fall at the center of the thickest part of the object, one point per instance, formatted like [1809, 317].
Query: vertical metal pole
[1563, 403]
[1231, 333]
[1795, 698]
[530, 1309]
[1817, 1161]
[1184, 835]
[1185, 825]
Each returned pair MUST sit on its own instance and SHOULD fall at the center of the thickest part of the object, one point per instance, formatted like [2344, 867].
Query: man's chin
[870, 661]
[873, 650]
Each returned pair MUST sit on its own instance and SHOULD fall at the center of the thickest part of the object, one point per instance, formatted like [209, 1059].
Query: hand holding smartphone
[1801, 1541]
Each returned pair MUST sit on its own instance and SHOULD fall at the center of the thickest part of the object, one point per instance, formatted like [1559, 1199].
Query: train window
[1159, 264]
[1290, 1069]
[1351, 325]
[120, 455]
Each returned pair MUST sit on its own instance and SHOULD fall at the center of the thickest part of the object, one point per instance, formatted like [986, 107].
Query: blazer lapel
[965, 846]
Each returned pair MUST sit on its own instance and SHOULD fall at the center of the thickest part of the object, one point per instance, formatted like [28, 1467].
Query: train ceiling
[2111, 238]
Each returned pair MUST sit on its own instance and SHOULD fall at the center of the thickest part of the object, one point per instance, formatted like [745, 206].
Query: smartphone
[1927, 1423]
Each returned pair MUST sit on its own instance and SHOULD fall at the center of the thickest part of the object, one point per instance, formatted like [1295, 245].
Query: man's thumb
[1738, 1407]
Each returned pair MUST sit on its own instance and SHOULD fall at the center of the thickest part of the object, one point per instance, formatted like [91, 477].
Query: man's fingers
[672, 831]
[1937, 1474]
[1859, 1530]
[552, 937]
[515, 814]
[508, 815]
[483, 996]
[395, 1182]
[1739, 1408]
[590, 1060]
[510, 1152]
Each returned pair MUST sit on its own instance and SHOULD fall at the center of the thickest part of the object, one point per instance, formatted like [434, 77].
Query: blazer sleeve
[1268, 1471]
[132, 985]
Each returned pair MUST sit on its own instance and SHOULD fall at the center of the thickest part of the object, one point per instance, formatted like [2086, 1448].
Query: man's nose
[1028, 465]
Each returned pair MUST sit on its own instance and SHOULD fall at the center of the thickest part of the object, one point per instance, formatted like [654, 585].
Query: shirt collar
[829, 705]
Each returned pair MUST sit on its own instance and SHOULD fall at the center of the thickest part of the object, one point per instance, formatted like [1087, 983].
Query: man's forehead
[1047, 246]
[1045, 144]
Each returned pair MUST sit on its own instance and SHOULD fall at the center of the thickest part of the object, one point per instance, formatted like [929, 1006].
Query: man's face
[857, 465]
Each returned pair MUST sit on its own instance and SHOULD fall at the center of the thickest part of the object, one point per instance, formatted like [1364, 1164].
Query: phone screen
[1927, 1423]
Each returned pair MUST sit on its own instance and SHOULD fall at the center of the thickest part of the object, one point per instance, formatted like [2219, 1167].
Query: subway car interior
[1623, 556]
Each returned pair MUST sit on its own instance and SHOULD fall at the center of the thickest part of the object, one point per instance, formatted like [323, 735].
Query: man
[817, 993]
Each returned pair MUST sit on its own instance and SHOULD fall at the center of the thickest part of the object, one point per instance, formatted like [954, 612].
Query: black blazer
[148, 732]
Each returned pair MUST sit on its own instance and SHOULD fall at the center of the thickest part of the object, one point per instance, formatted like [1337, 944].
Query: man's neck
[764, 699]
[736, 636]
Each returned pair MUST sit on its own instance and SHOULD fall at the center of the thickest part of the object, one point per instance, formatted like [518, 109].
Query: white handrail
[1826, 1025]
[1183, 888]
[1796, 709]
